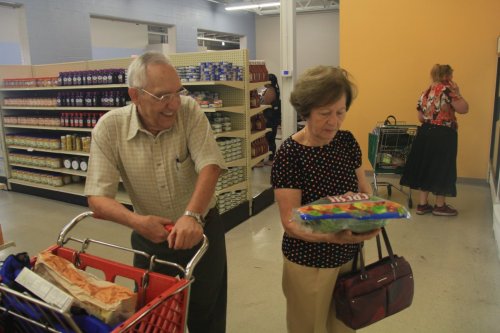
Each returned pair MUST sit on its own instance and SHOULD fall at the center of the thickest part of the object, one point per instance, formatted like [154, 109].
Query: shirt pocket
[186, 176]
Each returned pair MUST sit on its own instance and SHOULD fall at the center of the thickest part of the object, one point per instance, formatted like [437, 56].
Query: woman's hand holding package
[348, 237]
[185, 234]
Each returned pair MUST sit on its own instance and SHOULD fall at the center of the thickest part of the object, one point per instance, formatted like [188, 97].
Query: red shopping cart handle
[169, 227]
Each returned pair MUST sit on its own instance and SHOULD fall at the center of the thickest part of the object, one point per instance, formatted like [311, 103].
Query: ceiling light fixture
[242, 6]
[218, 40]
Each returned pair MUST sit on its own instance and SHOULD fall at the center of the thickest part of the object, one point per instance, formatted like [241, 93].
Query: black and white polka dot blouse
[318, 172]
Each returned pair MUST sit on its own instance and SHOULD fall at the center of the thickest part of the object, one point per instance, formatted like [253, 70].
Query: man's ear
[134, 94]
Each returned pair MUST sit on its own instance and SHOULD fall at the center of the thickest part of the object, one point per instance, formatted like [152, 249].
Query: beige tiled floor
[455, 261]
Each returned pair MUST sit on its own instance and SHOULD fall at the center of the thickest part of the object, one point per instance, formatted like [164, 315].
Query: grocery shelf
[261, 108]
[54, 151]
[236, 163]
[231, 134]
[86, 87]
[60, 170]
[234, 109]
[232, 84]
[236, 187]
[52, 128]
[60, 108]
[256, 85]
[75, 189]
[259, 134]
[258, 159]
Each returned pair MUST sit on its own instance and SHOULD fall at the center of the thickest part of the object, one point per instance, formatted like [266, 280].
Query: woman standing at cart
[317, 161]
[432, 163]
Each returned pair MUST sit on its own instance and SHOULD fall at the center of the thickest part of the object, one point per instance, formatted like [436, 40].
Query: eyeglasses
[167, 97]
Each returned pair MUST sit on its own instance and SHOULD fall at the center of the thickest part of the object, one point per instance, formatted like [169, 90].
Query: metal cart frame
[388, 150]
[162, 300]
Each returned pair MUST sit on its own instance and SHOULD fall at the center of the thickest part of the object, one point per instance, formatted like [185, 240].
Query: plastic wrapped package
[358, 212]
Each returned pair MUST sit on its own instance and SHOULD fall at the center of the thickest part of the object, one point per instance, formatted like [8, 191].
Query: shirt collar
[136, 125]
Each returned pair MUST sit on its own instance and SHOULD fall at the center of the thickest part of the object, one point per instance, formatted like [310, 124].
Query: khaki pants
[309, 298]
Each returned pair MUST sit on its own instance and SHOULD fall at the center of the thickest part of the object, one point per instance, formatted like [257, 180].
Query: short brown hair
[441, 72]
[320, 86]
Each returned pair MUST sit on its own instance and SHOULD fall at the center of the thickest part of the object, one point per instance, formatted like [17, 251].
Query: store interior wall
[117, 39]
[391, 59]
[10, 46]
[317, 40]
[59, 31]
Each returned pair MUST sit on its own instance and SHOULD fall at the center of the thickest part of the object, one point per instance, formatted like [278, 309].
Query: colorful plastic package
[358, 212]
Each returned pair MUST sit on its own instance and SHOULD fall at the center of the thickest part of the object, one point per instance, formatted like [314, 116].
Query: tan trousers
[309, 298]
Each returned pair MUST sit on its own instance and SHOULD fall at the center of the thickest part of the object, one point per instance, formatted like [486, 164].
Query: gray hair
[137, 77]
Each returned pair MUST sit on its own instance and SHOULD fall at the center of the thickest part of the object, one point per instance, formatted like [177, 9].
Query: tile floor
[455, 261]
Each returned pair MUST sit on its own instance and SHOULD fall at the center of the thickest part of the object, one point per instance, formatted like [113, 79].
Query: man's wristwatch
[198, 217]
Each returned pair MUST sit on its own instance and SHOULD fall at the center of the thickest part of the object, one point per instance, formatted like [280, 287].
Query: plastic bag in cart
[358, 212]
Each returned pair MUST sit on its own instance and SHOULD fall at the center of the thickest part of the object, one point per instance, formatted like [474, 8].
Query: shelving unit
[72, 192]
[236, 105]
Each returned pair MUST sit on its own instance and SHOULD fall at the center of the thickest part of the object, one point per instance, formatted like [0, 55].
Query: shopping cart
[388, 148]
[162, 299]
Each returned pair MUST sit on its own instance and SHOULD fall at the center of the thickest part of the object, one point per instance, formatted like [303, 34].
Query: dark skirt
[432, 163]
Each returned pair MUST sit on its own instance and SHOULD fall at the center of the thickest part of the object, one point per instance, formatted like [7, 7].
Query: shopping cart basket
[388, 148]
[162, 299]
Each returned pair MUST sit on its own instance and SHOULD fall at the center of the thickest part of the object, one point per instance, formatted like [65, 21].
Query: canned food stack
[233, 176]
[229, 200]
[76, 163]
[39, 160]
[231, 148]
[30, 101]
[189, 73]
[207, 99]
[219, 122]
[211, 71]
[44, 142]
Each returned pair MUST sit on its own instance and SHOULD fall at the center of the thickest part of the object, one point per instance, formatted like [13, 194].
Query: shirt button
[158, 164]
[162, 186]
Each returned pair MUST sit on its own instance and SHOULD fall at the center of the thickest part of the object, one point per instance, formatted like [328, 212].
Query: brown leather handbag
[365, 296]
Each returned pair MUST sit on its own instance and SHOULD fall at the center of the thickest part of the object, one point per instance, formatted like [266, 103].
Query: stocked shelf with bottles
[30, 106]
[47, 118]
[225, 77]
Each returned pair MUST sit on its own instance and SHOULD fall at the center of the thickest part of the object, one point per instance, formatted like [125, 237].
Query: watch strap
[197, 216]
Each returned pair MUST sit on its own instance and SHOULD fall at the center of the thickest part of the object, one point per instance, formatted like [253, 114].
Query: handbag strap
[379, 249]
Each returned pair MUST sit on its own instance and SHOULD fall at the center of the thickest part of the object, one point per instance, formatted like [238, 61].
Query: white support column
[288, 63]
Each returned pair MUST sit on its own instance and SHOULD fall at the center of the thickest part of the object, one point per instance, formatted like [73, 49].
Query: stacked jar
[231, 148]
[46, 178]
[229, 200]
[259, 147]
[233, 176]
[39, 160]
[93, 77]
[219, 122]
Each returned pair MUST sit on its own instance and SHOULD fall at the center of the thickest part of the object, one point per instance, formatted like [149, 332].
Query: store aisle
[455, 262]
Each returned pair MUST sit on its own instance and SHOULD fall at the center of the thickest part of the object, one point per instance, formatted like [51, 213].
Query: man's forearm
[109, 209]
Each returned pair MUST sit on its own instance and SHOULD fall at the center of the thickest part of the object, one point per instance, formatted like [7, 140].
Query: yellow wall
[390, 46]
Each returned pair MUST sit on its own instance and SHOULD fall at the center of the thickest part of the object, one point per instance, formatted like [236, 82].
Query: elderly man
[163, 149]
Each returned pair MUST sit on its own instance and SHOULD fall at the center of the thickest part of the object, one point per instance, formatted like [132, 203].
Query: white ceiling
[301, 6]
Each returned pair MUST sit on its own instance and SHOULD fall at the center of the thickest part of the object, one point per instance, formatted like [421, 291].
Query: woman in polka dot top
[317, 161]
